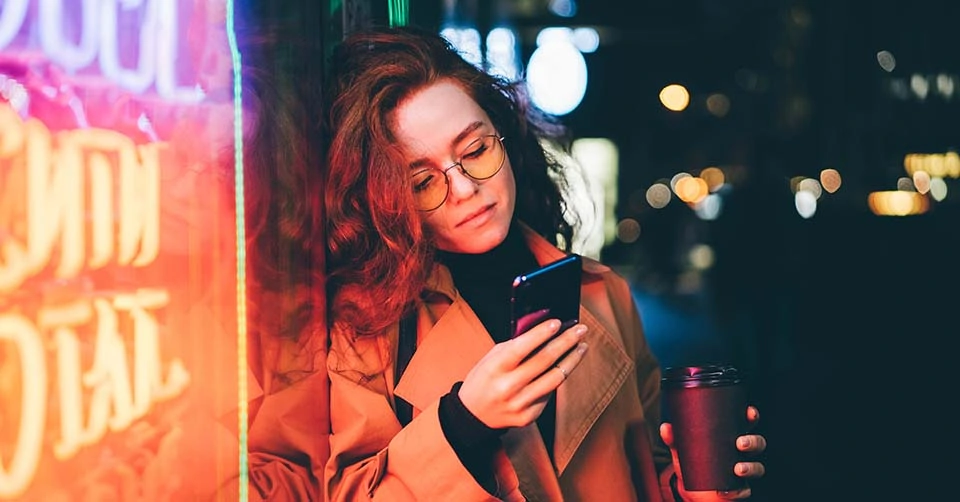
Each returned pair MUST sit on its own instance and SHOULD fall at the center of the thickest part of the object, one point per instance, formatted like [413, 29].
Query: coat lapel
[444, 356]
[589, 389]
[535, 472]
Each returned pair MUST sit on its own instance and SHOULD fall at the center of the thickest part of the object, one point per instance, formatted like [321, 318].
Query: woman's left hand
[752, 444]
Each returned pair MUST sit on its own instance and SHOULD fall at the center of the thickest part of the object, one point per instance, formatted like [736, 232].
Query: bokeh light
[677, 177]
[905, 184]
[718, 105]
[691, 190]
[658, 195]
[795, 183]
[701, 256]
[586, 39]
[938, 189]
[714, 178]
[805, 203]
[897, 203]
[628, 230]
[887, 61]
[709, 208]
[811, 185]
[830, 180]
[675, 97]
[556, 72]
[921, 181]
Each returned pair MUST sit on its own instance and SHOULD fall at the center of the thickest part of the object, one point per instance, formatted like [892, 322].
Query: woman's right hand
[509, 387]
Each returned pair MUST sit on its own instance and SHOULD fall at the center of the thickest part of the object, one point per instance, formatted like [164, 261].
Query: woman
[438, 192]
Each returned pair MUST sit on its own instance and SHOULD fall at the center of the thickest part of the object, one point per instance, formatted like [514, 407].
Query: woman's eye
[476, 153]
[421, 183]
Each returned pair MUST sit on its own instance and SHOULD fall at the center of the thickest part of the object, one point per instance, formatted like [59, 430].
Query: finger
[553, 377]
[551, 353]
[749, 469]
[520, 347]
[752, 443]
[753, 415]
[740, 494]
[666, 434]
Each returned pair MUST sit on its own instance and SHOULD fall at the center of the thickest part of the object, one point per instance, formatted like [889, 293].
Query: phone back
[551, 291]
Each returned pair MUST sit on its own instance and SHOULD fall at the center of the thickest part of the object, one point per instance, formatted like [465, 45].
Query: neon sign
[118, 285]
[122, 221]
[104, 39]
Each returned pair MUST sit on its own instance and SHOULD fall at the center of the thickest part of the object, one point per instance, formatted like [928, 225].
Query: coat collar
[447, 352]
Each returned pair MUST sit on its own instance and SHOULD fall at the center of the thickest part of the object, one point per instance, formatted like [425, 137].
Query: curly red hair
[378, 256]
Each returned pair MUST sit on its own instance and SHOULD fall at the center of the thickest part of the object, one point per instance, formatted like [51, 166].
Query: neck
[499, 257]
[484, 279]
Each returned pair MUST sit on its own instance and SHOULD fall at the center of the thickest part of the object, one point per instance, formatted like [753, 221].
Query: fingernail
[581, 329]
[581, 347]
[741, 469]
[743, 443]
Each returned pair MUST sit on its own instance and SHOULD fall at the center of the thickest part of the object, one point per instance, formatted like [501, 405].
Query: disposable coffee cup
[707, 407]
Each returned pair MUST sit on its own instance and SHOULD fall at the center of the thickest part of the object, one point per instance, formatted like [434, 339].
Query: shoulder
[609, 297]
[358, 356]
[615, 284]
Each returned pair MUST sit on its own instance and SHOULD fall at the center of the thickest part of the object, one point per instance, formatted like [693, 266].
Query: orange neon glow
[93, 356]
[15, 477]
[111, 394]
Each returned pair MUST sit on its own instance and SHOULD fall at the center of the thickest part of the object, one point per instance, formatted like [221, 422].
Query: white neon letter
[71, 57]
[140, 78]
[12, 14]
[167, 58]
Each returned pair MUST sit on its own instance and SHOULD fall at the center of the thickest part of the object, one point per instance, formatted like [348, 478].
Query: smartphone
[549, 292]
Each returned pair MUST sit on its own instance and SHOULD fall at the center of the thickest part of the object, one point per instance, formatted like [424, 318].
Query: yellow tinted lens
[429, 188]
[483, 158]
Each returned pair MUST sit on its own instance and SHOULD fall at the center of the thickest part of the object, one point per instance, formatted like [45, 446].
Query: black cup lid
[710, 375]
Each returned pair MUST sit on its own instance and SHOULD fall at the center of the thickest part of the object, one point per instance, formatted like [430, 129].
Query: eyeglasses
[482, 159]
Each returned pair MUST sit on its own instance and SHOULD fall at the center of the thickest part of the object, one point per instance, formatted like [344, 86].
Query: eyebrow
[471, 127]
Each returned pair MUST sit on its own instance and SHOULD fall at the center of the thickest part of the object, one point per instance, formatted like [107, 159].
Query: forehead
[429, 120]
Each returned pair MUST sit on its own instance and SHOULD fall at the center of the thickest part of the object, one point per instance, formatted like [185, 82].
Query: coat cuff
[448, 479]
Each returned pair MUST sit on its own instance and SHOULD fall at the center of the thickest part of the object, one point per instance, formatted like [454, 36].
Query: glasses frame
[463, 170]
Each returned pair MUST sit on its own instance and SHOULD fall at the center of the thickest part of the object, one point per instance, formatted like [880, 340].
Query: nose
[461, 186]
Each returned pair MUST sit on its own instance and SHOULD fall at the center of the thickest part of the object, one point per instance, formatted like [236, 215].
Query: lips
[473, 216]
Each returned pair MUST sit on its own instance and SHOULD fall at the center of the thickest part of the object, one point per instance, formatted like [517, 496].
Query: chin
[477, 241]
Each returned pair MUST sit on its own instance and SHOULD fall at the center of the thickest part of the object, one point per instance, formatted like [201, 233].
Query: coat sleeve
[373, 458]
[289, 424]
[288, 442]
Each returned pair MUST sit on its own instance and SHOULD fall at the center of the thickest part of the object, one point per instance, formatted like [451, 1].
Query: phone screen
[549, 292]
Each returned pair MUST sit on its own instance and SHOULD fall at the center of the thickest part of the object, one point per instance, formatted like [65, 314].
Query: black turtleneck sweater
[484, 282]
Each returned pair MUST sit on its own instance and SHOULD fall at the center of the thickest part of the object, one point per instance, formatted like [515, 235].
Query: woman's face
[435, 126]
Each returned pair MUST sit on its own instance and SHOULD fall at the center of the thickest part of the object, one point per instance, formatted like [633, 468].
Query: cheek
[510, 185]
[435, 222]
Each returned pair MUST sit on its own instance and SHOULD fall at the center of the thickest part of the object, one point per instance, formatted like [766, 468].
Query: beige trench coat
[606, 446]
